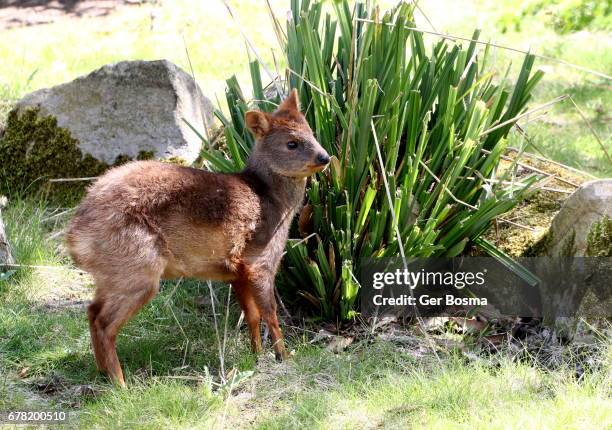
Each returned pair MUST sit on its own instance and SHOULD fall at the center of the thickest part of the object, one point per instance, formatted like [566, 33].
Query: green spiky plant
[440, 118]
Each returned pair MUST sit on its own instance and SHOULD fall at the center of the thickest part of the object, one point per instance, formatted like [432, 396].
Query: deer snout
[322, 158]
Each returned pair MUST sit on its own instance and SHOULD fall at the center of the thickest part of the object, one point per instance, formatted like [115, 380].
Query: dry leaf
[496, 339]
[305, 225]
[470, 324]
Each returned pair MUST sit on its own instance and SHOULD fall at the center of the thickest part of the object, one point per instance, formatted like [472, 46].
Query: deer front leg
[255, 292]
[277, 336]
[266, 302]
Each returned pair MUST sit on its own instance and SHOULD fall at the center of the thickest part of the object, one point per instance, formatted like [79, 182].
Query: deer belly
[198, 252]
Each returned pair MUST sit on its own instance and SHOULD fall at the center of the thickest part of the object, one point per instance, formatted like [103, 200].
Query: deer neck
[284, 192]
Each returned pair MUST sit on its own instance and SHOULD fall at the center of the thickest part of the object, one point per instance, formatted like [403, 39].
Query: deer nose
[323, 159]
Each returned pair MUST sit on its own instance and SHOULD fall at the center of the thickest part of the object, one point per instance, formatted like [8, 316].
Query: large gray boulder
[579, 240]
[127, 109]
[570, 228]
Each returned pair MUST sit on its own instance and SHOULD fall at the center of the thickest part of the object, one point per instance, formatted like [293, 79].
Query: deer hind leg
[109, 311]
[92, 312]
[244, 293]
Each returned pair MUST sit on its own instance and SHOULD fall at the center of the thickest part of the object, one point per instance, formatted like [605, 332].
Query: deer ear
[258, 122]
[291, 103]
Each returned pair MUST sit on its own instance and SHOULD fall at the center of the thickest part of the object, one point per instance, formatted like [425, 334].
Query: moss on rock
[599, 242]
[568, 246]
[599, 239]
[536, 213]
[35, 149]
[142, 155]
[539, 247]
[176, 160]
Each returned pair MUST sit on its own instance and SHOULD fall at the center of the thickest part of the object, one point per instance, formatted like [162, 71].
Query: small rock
[243, 397]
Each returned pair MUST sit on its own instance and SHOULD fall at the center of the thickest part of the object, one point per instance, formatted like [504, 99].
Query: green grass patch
[381, 387]
[153, 405]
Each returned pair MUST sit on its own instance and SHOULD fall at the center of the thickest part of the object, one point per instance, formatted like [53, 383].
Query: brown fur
[146, 221]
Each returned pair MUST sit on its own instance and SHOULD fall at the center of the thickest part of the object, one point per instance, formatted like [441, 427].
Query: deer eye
[292, 145]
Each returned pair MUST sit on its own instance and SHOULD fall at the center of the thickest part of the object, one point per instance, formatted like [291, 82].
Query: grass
[386, 389]
[169, 354]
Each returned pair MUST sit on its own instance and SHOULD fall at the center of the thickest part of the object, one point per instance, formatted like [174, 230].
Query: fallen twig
[34, 266]
[532, 168]
[516, 224]
[73, 179]
[595, 135]
[548, 160]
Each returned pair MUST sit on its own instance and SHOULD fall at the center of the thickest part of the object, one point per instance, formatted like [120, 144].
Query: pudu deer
[145, 221]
